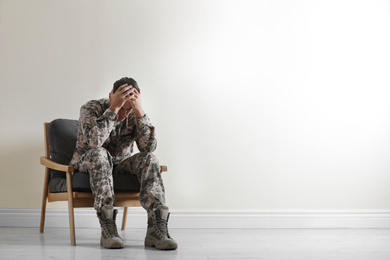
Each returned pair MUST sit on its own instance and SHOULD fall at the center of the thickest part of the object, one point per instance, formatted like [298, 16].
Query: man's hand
[119, 98]
[135, 101]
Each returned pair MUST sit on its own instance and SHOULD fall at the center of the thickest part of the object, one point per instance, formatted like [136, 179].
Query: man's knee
[98, 159]
[99, 154]
[146, 159]
[150, 157]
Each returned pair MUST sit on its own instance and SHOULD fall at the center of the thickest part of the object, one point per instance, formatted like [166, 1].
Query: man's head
[125, 110]
[122, 81]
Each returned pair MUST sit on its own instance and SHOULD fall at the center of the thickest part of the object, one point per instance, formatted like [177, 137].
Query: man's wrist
[114, 109]
[139, 113]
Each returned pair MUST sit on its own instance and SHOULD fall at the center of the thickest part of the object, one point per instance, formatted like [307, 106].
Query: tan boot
[157, 234]
[110, 237]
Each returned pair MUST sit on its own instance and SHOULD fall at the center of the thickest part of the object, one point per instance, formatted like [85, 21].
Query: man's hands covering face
[135, 102]
[122, 95]
[119, 98]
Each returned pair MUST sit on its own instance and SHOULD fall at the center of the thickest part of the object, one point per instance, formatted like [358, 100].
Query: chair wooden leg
[71, 222]
[44, 199]
[124, 220]
[70, 209]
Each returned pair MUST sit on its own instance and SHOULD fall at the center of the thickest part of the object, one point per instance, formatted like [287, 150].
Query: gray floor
[211, 244]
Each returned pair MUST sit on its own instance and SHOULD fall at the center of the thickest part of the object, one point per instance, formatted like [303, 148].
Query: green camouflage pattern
[104, 147]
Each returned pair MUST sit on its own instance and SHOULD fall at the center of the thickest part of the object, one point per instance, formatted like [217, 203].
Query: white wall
[257, 104]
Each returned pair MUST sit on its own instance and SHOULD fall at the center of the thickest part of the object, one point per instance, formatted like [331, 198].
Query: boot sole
[112, 246]
[151, 243]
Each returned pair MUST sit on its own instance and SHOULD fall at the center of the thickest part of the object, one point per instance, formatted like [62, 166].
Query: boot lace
[162, 226]
[109, 227]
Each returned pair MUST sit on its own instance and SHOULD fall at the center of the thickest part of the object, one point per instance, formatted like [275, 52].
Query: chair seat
[80, 183]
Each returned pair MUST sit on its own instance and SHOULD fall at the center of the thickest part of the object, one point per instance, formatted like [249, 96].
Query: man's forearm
[97, 130]
[114, 109]
[139, 113]
[146, 136]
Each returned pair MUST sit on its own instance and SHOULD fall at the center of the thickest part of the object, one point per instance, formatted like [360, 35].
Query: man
[107, 131]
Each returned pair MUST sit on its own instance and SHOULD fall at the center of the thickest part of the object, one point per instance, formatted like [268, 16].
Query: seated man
[107, 131]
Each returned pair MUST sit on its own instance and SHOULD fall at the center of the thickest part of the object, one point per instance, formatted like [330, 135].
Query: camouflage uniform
[104, 147]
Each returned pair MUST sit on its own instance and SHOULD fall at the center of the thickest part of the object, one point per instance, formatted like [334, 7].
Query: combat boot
[157, 234]
[110, 237]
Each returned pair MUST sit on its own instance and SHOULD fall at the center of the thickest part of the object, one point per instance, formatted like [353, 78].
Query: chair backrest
[61, 137]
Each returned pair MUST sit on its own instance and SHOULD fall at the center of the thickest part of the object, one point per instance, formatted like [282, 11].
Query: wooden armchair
[60, 179]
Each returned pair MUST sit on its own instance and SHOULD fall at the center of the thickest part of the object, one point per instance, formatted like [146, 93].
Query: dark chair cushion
[80, 182]
[62, 142]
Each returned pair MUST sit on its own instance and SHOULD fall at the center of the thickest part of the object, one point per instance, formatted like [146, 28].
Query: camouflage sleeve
[96, 129]
[146, 136]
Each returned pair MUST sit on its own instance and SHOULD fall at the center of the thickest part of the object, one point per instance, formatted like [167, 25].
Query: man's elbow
[148, 148]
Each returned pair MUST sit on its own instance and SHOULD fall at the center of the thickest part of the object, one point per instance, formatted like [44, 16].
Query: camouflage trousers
[98, 164]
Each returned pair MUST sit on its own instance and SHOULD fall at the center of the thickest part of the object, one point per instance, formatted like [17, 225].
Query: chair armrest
[163, 168]
[56, 166]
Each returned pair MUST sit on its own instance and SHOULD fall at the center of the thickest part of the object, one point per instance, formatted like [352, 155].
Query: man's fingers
[135, 91]
[126, 91]
[124, 88]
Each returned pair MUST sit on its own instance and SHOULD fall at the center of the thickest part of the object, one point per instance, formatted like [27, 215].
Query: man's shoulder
[97, 104]
[94, 108]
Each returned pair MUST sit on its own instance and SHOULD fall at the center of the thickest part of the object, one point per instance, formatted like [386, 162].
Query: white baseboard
[137, 218]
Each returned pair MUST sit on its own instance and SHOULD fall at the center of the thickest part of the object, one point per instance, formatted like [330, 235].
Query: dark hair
[122, 81]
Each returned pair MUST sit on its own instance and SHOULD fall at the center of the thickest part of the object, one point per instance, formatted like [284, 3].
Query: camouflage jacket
[98, 127]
